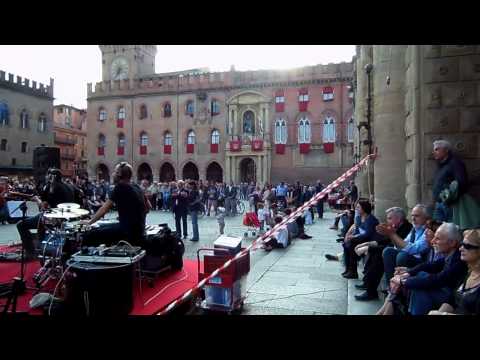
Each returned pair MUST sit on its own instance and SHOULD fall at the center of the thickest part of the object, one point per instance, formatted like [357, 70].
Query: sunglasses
[469, 246]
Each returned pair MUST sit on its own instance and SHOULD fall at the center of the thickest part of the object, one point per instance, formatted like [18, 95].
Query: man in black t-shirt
[54, 192]
[132, 211]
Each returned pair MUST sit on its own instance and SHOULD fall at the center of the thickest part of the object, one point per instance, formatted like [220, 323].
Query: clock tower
[121, 62]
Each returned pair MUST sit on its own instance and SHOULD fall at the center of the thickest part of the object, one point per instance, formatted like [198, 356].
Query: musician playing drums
[54, 192]
[132, 211]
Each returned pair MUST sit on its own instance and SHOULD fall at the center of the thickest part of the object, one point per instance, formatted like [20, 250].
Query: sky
[73, 66]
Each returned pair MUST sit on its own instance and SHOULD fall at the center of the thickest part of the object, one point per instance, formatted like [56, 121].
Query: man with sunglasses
[431, 284]
[132, 209]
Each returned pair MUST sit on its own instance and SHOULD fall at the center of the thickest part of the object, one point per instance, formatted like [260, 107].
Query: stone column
[364, 57]
[228, 170]
[389, 126]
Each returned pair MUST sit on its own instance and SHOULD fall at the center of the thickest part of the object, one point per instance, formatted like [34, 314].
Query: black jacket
[448, 170]
[445, 272]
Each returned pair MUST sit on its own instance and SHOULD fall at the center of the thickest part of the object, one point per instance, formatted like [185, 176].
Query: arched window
[304, 131]
[329, 130]
[3, 145]
[143, 143]
[24, 119]
[121, 113]
[121, 144]
[4, 115]
[191, 137]
[249, 122]
[167, 138]
[351, 130]
[189, 108]
[102, 114]
[280, 131]
[143, 112]
[101, 140]
[215, 137]
[190, 142]
[214, 107]
[23, 148]
[121, 140]
[42, 123]
[167, 110]
[144, 139]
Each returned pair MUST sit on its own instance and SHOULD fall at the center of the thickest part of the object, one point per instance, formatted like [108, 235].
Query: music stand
[19, 285]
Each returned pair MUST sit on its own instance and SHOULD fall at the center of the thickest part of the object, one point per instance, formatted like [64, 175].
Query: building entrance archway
[248, 170]
[144, 172]
[167, 173]
[103, 173]
[190, 171]
[214, 172]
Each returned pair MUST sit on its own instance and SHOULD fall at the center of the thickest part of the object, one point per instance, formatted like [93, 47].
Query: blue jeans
[393, 257]
[194, 216]
[442, 213]
[422, 301]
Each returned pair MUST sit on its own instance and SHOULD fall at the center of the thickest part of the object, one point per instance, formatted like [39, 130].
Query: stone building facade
[419, 93]
[263, 126]
[26, 111]
[70, 135]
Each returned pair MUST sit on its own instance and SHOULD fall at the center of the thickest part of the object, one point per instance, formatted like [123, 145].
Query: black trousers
[349, 255]
[24, 227]
[183, 217]
[373, 269]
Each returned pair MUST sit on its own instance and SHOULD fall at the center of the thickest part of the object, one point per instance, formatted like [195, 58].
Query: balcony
[255, 143]
[59, 139]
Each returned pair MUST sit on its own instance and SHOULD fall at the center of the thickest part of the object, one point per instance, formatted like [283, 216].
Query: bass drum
[56, 246]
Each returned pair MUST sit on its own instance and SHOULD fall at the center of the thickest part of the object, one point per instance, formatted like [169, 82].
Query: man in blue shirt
[281, 193]
[408, 252]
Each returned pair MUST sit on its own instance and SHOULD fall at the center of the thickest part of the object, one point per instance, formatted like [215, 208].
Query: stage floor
[149, 299]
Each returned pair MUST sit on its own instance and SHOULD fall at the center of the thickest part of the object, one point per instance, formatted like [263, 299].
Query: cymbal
[68, 206]
[66, 214]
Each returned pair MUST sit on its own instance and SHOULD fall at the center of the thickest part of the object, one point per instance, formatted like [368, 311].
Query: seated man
[297, 229]
[432, 283]
[132, 211]
[281, 240]
[408, 252]
[396, 218]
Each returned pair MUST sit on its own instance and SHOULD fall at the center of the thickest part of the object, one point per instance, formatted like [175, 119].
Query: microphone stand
[19, 285]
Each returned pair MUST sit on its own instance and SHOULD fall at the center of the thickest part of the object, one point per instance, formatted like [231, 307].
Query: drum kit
[62, 239]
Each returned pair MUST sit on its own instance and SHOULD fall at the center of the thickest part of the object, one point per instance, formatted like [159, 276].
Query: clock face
[119, 69]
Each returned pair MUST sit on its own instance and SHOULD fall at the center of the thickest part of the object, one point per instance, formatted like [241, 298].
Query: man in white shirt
[281, 239]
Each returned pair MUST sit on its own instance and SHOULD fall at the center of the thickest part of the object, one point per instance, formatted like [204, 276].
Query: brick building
[267, 125]
[26, 111]
[70, 135]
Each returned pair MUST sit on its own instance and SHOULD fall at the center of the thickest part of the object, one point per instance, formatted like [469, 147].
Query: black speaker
[43, 159]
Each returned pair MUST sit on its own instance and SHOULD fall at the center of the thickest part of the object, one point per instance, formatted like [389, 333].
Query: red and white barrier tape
[271, 233]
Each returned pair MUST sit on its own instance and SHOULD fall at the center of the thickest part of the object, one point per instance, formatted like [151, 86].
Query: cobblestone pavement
[293, 281]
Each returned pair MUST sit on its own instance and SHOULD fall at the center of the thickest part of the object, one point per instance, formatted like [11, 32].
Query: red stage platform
[166, 288]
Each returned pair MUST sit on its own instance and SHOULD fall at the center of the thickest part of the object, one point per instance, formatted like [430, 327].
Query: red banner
[119, 123]
[120, 150]
[143, 149]
[257, 145]
[302, 105]
[304, 148]
[100, 151]
[280, 149]
[235, 145]
[214, 148]
[190, 148]
[328, 147]
[167, 149]
[280, 107]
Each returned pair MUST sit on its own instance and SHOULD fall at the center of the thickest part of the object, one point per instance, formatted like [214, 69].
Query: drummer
[54, 192]
[132, 211]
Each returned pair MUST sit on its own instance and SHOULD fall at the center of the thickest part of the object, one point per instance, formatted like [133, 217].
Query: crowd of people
[430, 264]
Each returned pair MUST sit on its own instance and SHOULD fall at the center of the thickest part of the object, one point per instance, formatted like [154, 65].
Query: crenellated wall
[23, 85]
